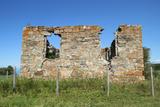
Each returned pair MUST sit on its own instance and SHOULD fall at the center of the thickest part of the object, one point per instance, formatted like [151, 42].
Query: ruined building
[80, 54]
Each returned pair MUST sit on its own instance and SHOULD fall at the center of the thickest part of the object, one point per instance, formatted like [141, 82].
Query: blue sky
[15, 14]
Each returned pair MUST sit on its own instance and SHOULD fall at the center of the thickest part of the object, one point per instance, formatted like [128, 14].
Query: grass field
[5, 77]
[77, 93]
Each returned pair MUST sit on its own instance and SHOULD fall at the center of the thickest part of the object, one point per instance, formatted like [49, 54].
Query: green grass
[5, 77]
[77, 93]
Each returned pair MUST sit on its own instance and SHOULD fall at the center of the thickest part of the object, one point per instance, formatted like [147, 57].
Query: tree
[156, 67]
[146, 55]
[10, 70]
[148, 64]
[51, 52]
[3, 70]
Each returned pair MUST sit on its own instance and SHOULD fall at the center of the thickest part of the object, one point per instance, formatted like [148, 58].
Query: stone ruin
[80, 55]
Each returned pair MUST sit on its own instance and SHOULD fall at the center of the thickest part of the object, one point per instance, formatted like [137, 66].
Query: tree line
[4, 70]
[148, 64]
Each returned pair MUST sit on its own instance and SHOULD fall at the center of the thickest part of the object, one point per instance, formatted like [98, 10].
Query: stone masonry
[80, 52]
[80, 55]
[126, 54]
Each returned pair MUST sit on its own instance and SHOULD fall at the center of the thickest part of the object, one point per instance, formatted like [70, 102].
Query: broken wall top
[129, 30]
[64, 29]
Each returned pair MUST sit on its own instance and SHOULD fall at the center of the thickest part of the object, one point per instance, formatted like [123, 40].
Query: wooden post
[7, 74]
[108, 80]
[152, 84]
[57, 82]
[51, 83]
[14, 79]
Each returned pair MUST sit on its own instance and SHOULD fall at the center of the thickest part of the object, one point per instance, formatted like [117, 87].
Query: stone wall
[127, 59]
[80, 55]
[33, 50]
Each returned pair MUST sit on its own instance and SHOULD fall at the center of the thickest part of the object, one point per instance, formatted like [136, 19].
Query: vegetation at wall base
[77, 93]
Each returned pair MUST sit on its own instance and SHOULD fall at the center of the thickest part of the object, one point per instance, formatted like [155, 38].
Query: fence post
[7, 74]
[108, 85]
[152, 84]
[57, 82]
[51, 83]
[14, 79]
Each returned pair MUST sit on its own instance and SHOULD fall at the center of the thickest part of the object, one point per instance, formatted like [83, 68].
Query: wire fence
[57, 84]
